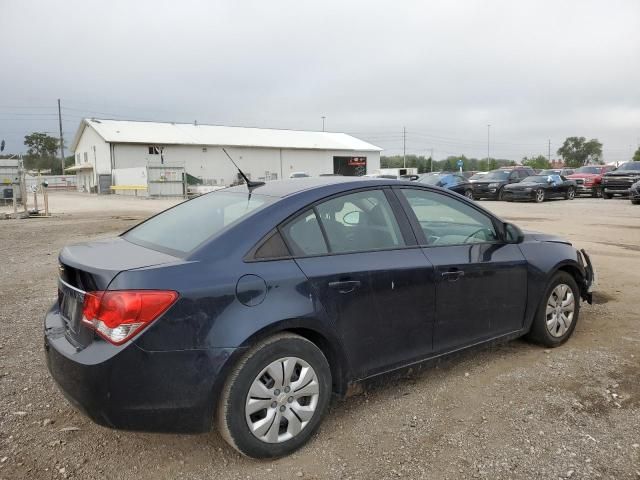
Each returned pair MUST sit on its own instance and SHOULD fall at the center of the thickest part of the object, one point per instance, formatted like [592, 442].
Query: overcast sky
[535, 70]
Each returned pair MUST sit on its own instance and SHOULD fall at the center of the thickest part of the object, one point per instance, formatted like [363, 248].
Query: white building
[105, 148]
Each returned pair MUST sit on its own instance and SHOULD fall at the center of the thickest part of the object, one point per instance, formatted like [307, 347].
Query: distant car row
[524, 183]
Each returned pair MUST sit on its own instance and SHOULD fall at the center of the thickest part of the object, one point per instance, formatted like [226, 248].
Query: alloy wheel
[468, 194]
[540, 196]
[282, 400]
[560, 309]
[571, 193]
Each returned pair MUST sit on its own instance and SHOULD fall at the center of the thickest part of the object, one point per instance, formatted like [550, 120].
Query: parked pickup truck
[620, 180]
[589, 178]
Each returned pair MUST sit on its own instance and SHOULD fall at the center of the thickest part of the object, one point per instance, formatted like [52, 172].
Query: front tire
[469, 194]
[558, 312]
[571, 194]
[275, 397]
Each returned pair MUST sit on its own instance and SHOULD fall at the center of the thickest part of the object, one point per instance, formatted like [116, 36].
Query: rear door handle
[453, 275]
[345, 286]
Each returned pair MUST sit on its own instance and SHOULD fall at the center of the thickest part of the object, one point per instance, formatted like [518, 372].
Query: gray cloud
[534, 70]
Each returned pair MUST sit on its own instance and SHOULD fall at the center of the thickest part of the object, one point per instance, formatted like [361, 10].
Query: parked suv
[491, 185]
[589, 178]
[620, 180]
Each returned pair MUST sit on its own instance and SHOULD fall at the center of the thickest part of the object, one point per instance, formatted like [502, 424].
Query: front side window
[360, 221]
[447, 221]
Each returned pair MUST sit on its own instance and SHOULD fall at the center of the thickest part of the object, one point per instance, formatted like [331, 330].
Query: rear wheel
[468, 194]
[540, 195]
[275, 397]
[571, 193]
[557, 313]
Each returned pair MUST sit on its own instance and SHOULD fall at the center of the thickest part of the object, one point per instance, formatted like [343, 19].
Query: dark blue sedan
[247, 307]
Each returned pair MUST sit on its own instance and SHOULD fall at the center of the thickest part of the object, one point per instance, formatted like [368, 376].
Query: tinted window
[304, 235]
[536, 179]
[185, 226]
[447, 221]
[359, 222]
[630, 166]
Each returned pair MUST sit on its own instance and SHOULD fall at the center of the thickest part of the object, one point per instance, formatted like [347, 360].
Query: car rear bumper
[129, 388]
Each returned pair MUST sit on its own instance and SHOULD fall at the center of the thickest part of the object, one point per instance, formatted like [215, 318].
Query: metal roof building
[105, 148]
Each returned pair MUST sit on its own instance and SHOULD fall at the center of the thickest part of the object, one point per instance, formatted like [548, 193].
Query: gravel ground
[513, 411]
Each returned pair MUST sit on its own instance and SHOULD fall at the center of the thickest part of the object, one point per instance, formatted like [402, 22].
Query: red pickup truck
[588, 179]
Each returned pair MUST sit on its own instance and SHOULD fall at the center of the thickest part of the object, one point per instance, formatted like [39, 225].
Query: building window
[153, 150]
[85, 155]
[204, 149]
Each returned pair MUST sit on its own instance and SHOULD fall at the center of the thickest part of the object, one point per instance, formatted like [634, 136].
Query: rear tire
[540, 196]
[469, 194]
[252, 399]
[635, 202]
[557, 313]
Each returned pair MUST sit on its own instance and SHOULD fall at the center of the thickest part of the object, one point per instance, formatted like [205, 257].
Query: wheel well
[578, 277]
[336, 363]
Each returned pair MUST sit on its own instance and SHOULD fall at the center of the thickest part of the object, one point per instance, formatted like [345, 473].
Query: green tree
[577, 151]
[42, 152]
[636, 156]
[540, 162]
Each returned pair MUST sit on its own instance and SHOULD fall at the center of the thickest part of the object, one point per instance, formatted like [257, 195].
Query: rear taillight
[118, 315]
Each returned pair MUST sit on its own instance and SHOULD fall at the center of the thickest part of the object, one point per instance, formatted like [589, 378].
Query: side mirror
[351, 218]
[513, 234]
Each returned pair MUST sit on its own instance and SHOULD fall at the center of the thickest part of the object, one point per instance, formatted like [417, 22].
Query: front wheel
[275, 397]
[539, 196]
[557, 313]
[571, 193]
[468, 194]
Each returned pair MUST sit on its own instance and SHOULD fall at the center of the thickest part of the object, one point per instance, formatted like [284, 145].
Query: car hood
[530, 236]
[623, 173]
[514, 186]
[583, 175]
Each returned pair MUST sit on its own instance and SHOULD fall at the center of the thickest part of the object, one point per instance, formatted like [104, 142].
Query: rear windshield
[431, 179]
[549, 172]
[536, 179]
[185, 226]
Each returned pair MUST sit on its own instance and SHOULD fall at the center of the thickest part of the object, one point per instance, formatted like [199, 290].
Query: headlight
[494, 185]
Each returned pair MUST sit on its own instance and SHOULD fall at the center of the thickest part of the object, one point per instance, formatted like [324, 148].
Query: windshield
[185, 226]
[497, 175]
[478, 176]
[594, 170]
[536, 179]
[550, 172]
[431, 179]
[630, 166]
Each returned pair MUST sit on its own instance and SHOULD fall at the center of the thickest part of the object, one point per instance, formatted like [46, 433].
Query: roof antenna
[250, 184]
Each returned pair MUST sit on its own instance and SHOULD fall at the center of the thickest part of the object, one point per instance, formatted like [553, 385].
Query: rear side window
[304, 236]
[360, 221]
[185, 226]
[272, 247]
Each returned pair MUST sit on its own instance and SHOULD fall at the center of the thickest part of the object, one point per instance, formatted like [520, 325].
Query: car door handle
[345, 286]
[453, 275]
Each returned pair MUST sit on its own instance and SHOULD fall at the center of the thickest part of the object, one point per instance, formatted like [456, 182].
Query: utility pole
[488, 136]
[431, 157]
[61, 139]
[404, 146]
[549, 151]
[323, 118]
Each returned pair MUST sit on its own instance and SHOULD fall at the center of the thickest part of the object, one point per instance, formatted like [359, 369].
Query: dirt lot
[512, 411]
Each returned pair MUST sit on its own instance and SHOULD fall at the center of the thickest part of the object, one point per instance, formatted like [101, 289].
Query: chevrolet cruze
[246, 308]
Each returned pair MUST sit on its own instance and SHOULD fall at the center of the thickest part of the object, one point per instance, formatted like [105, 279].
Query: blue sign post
[460, 164]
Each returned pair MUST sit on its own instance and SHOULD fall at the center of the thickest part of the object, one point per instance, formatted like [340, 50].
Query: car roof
[285, 188]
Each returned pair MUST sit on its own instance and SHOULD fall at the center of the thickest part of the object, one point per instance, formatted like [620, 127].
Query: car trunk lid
[92, 266]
